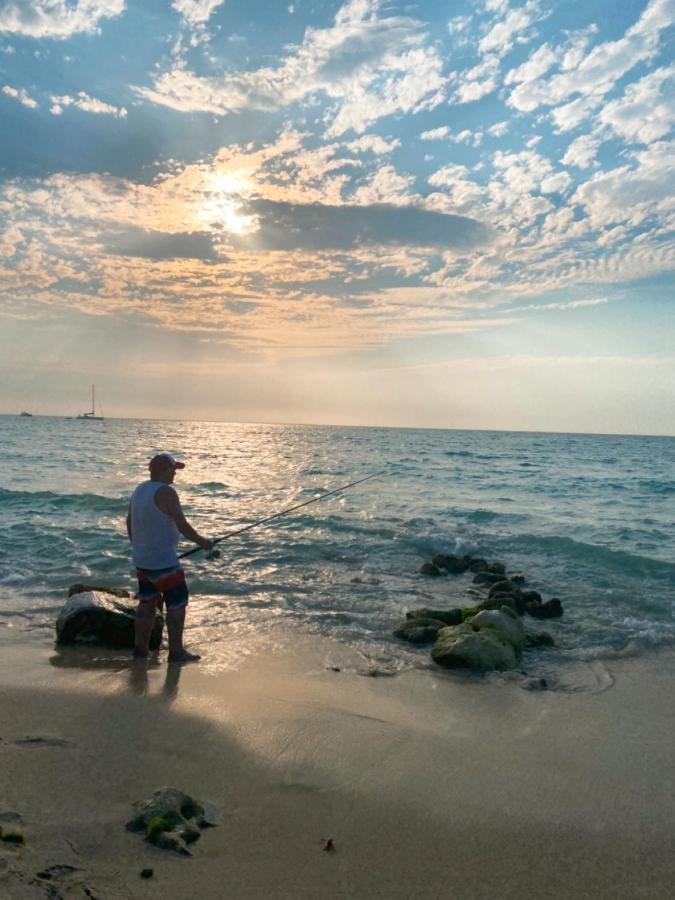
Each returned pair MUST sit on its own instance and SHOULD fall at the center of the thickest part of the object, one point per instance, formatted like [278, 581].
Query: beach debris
[147, 873]
[171, 819]
[492, 639]
[328, 845]
[55, 871]
[95, 617]
[41, 741]
[539, 639]
[12, 837]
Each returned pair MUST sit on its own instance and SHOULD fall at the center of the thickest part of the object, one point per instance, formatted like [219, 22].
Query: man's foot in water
[184, 657]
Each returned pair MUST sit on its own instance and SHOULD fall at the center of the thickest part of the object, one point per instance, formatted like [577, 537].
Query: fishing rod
[283, 512]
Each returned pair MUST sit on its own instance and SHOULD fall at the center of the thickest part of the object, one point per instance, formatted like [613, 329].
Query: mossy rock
[504, 587]
[454, 565]
[171, 819]
[492, 639]
[102, 619]
[488, 577]
[552, 609]
[539, 639]
[419, 631]
[446, 616]
[428, 568]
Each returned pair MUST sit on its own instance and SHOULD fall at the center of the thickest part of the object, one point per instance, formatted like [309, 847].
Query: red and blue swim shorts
[163, 584]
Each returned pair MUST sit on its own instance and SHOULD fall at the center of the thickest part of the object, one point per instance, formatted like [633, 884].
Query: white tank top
[153, 534]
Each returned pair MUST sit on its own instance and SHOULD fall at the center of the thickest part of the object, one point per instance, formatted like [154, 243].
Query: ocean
[586, 518]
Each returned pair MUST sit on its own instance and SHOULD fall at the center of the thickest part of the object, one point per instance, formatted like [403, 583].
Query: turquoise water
[586, 518]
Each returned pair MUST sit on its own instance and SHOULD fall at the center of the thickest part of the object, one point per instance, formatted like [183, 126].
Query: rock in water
[419, 631]
[94, 617]
[492, 639]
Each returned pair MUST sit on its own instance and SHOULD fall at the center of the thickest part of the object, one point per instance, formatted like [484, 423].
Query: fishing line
[283, 512]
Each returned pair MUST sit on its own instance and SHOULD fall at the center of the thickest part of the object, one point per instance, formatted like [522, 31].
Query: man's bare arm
[166, 500]
[129, 523]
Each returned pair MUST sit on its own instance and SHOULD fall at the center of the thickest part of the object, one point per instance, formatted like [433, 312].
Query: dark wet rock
[446, 616]
[85, 588]
[454, 565]
[488, 577]
[428, 568]
[496, 568]
[536, 684]
[552, 609]
[147, 873]
[532, 597]
[477, 564]
[171, 819]
[492, 639]
[504, 587]
[539, 639]
[419, 631]
[94, 617]
[518, 579]
[513, 601]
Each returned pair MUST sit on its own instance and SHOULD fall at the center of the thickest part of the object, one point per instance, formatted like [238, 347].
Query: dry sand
[429, 785]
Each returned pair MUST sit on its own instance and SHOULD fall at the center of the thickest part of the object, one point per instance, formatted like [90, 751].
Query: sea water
[586, 518]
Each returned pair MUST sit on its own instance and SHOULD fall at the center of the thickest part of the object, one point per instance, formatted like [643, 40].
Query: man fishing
[154, 522]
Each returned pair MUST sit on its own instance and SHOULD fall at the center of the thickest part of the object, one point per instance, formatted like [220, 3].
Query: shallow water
[586, 518]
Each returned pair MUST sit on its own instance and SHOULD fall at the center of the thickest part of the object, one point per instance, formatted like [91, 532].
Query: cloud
[196, 12]
[646, 112]
[581, 152]
[158, 245]
[537, 65]
[573, 304]
[435, 134]
[21, 95]
[286, 226]
[595, 74]
[500, 38]
[86, 104]
[57, 19]
[632, 195]
[372, 67]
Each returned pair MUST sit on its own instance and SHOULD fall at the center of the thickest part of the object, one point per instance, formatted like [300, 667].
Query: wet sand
[429, 785]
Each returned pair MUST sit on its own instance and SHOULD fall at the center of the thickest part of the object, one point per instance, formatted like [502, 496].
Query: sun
[221, 206]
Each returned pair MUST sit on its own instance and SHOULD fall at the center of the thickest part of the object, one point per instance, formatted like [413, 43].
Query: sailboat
[91, 416]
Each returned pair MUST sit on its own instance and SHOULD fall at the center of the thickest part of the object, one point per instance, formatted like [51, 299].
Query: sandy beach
[428, 785]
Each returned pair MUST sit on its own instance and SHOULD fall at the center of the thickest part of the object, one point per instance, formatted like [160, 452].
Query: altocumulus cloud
[56, 18]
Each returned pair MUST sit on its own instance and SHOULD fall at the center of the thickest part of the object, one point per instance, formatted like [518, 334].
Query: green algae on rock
[492, 639]
[172, 819]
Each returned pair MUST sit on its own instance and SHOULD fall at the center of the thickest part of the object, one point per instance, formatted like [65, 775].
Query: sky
[435, 214]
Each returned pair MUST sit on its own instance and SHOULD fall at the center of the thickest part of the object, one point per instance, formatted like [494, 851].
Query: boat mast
[93, 408]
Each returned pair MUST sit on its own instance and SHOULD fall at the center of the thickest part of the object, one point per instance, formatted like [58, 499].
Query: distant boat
[91, 416]
[30, 415]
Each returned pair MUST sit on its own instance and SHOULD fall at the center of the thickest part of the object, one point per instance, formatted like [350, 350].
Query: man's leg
[175, 622]
[175, 595]
[145, 617]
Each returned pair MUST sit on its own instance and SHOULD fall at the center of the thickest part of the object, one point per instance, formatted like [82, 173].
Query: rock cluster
[99, 616]
[488, 635]
[171, 820]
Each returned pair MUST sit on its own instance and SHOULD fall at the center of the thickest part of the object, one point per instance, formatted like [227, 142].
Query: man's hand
[205, 544]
